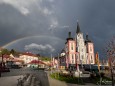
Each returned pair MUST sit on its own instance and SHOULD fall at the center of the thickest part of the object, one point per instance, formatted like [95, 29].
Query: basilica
[78, 50]
[84, 48]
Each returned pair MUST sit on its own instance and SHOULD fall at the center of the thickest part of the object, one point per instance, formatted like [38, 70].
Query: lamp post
[51, 63]
[58, 65]
[0, 67]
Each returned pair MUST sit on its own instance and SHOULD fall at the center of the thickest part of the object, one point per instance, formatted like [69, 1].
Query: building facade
[84, 47]
[78, 50]
[70, 51]
[27, 58]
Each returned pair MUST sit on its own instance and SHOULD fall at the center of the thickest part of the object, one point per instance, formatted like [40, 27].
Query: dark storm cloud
[99, 22]
[12, 23]
[56, 18]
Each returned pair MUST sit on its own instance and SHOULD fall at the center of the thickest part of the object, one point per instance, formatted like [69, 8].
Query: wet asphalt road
[41, 75]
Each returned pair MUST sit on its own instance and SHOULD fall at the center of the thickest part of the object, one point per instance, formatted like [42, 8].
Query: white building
[28, 57]
[84, 48]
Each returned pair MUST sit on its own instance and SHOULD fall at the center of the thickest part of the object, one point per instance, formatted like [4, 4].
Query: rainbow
[24, 38]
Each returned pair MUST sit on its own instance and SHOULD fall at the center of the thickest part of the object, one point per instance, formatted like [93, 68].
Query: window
[90, 48]
[71, 46]
[78, 35]
[82, 57]
[77, 49]
[73, 61]
[91, 61]
[76, 56]
[91, 57]
[72, 57]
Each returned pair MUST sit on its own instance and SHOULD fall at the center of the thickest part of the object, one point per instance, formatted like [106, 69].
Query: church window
[77, 49]
[90, 48]
[91, 57]
[82, 57]
[76, 56]
[71, 46]
[87, 49]
[72, 57]
[72, 61]
[78, 35]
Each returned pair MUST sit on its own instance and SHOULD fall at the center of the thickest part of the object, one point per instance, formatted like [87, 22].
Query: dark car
[4, 69]
[15, 67]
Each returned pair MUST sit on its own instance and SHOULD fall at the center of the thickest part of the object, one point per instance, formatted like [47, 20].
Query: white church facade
[84, 48]
[77, 50]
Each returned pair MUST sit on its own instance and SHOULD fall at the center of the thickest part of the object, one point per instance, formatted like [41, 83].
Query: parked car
[77, 73]
[65, 72]
[4, 69]
[15, 67]
[47, 69]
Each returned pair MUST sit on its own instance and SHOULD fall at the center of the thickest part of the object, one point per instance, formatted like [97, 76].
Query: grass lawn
[67, 78]
[77, 80]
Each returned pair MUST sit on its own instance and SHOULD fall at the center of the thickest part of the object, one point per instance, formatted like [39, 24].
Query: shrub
[66, 78]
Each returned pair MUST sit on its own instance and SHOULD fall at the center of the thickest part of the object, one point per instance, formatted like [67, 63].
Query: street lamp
[51, 63]
[58, 65]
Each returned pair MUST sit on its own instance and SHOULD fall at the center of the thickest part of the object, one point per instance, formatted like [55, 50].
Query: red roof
[6, 56]
[36, 62]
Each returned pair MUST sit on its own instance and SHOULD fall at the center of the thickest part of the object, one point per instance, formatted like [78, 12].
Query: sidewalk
[9, 81]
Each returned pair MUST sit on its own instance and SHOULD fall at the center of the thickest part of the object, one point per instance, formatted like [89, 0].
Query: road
[40, 74]
[11, 77]
[21, 71]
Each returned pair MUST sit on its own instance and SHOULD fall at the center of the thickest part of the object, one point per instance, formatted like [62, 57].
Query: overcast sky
[42, 25]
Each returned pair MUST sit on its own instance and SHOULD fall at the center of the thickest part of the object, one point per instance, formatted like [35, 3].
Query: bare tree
[110, 50]
[110, 53]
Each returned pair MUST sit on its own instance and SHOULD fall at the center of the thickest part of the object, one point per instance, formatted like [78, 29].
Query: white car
[64, 72]
[77, 73]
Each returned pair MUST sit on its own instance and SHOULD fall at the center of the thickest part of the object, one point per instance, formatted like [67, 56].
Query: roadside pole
[1, 65]
[51, 63]
[58, 65]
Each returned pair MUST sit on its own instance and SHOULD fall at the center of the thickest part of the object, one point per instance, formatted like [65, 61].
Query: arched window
[71, 46]
[90, 48]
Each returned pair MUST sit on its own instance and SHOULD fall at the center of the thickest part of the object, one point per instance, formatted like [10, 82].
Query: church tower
[89, 51]
[70, 50]
[80, 46]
